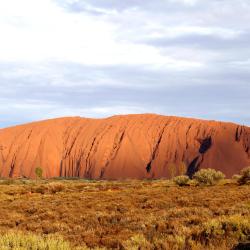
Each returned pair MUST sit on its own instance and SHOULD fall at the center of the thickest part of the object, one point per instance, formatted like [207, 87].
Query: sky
[96, 58]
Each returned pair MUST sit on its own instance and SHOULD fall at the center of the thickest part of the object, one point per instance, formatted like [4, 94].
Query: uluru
[119, 147]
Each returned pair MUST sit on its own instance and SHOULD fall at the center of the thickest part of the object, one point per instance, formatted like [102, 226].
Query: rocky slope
[130, 146]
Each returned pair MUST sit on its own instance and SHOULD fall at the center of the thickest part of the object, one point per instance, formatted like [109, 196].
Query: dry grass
[127, 214]
[18, 240]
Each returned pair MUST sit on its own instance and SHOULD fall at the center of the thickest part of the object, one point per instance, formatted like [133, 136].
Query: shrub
[236, 176]
[245, 176]
[193, 182]
[235, 225]
[7, 182]
[181, 180]
[208, 176]
[52, 188]
[41, 189]
[137, 242]
[55, 187]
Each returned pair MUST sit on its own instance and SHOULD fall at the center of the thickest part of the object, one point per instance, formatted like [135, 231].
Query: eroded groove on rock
[193, 167]
[205, 145]
[187, 132]
[149, 165]
[12, 166]
[116, 145]
[238, 133]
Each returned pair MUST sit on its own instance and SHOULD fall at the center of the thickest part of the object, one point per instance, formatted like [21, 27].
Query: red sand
[129, 146]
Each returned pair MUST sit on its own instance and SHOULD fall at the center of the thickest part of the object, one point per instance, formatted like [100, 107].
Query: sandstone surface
[118, 147]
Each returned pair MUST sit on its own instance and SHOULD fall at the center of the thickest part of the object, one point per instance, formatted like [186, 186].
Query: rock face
[130, 146]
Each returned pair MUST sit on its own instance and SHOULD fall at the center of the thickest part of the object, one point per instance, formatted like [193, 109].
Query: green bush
[244, 176]
[181, 180]
[208, 176]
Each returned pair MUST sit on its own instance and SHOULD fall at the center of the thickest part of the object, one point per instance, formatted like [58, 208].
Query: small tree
[244, 176]
[39, 173]
[208, 176]
[182, 168]
[172, 170]
[181, 180]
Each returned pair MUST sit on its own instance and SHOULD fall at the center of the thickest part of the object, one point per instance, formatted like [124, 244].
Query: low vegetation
[23, 241]
[158, 214]
[39, 172]
[244, 177]
[208, 176]
[181, 180]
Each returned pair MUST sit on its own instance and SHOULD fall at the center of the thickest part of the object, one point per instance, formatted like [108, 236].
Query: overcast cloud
[96, 58]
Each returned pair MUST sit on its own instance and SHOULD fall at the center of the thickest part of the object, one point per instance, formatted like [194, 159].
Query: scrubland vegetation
[207, 212]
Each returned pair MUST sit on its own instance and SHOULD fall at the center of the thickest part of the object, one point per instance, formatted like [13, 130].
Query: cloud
[205, 41]
[65, 89]
[96, 58]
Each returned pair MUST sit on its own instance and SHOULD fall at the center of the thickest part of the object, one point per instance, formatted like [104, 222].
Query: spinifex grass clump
[208, 176]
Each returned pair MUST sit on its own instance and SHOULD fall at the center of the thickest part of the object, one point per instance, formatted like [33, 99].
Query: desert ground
[130, 214]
